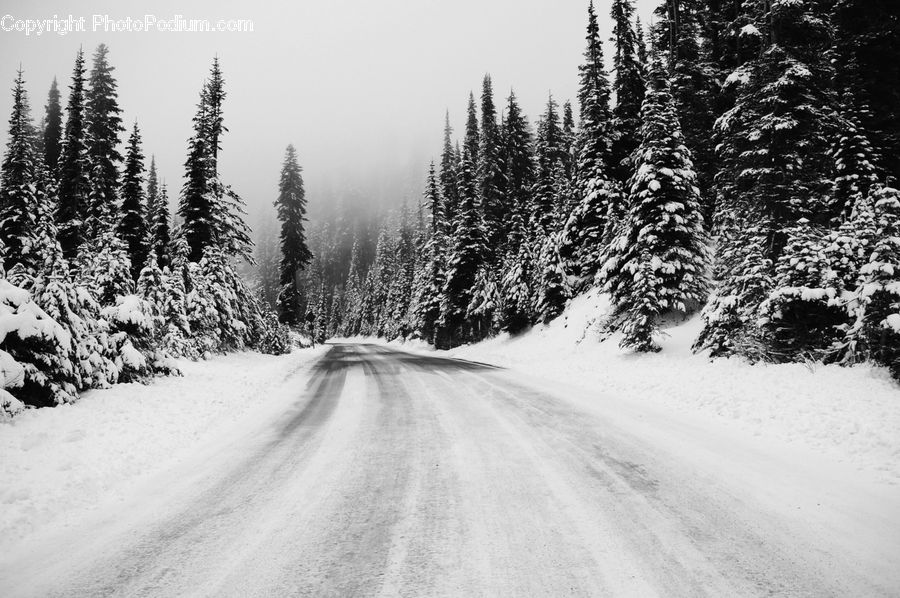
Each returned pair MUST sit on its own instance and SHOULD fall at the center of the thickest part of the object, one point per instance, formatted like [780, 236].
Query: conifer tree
[596, 195]
[448, 174]
[74, 167]
[628, 86]
[53, 129]
[519, 170]
[490, 168]
[658, 262]
[295, 255]
[429, 303]
[465, 257]
[103, 125]
[18, 202]
[133, 224]
[774, 163]
[549, 158]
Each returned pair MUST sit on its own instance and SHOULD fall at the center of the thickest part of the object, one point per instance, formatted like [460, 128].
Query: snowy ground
[851, 415]
[58, 466]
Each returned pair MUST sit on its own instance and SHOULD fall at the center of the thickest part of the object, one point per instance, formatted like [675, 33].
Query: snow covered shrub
[12, 374]
[33, 339]
[165, 293]
[106, 269]
[135, 324]
[276, 337]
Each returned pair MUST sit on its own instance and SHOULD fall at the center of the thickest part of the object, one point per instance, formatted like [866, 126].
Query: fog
[360, 87]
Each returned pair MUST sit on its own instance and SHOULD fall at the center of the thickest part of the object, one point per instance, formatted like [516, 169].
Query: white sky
[359, 86]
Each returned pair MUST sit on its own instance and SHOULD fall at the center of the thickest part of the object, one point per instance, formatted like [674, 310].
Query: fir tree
[465, 257]
[549, 155]
[595, 195]
[657, 264]
[74, 167]
[18, 202]
[429, 302]
[134, 223]
[519, 170]
[448, 174]
[103, 125]
[53, 129]
[628, 87]
[295, 254]
[490, 168]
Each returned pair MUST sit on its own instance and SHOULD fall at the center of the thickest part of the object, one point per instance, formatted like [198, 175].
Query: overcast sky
[358, 86]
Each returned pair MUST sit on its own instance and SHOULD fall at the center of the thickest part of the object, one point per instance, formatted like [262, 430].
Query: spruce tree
[103, 125]
[18, 201]
[490, 168]
[519, 167]
[448, 174]
[429, 303]
[295, 255]
[549, 157]
[53, 129]
[596, 194]
[466, 254]
[133, 223]
[774, 162]
[628, 86]
[658, 263]
[74, 167]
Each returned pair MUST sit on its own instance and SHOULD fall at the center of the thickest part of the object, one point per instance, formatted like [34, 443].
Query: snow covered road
[413, 475]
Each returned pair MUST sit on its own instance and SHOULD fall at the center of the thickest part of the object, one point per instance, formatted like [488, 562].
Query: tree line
[738, 161]
[101, 283]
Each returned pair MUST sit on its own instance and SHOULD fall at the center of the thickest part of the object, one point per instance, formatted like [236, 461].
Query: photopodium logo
[108, 24]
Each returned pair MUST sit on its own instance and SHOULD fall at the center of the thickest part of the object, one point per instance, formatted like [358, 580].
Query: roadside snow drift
[57, 465]
[853, 414]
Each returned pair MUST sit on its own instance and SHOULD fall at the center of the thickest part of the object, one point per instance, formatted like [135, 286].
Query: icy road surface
[408, 475]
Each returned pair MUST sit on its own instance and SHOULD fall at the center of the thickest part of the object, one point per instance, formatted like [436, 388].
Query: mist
[360, 88]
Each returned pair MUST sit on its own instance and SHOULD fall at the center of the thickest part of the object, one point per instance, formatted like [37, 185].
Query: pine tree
[658, 262]
[490, 168]
[52, 136]
[517, 282]
[678, 32]
[133, 224]
[103, 125]
[855, 163]
[549, 157]
[519, 167]
[596, 195]
[158, 229]
[448, 174]
[867, 60]
[628, 87]
[465, 257]
[74, 167]
[429, 302]
[295, 254]
[875, 332]
[18, 202]
[774, 163]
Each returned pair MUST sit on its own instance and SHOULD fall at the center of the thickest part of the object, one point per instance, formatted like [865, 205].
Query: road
[398, 474]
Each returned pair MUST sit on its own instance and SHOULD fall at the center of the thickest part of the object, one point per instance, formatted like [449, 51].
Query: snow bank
[59, 464]
[851, 414]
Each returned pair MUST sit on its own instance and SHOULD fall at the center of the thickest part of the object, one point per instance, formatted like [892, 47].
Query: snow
[847, 414]
[59, 465]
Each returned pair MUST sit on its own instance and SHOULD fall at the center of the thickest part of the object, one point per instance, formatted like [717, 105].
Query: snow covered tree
[212, 212]
[586, 228]
[774, 162]
[74, 167]
[448, 175]
[517, 282]
[549, 157]
[855, 163]
[875, 332]
[490, 168]
[466, 254]
[53, 129]
[106, 271]
[519, 167]
[430, 299]
[628, 86]
[866, 57]
[103, 126]
[295, 254]
[133, 222]
[658, 262]
[159, 236]
[34, 352]
[18, 203]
